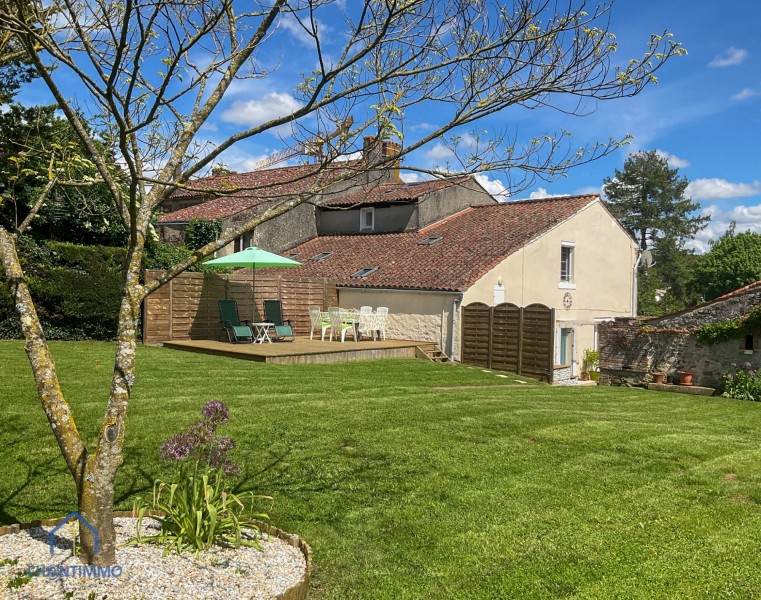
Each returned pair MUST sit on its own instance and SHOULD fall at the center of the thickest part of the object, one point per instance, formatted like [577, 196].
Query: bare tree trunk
[96, 504]
[94, 473]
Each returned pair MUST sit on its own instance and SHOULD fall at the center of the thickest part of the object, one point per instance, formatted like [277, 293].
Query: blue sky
[704, 115]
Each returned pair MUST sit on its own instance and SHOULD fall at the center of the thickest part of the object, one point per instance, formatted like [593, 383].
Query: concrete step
[695, 390]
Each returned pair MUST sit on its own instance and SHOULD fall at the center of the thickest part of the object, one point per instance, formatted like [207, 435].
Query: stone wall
[631, 350]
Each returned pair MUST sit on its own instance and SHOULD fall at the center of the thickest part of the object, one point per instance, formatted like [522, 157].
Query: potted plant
[685, 377]
[659, 377]
[591, 364]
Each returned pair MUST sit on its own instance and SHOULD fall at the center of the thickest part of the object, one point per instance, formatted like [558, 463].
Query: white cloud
[494, 186]
[439, 152]
[745, 94]
[290, 24]
[729, 58]
[256, 112]
[422, 127]
[674, 161]
[716, 189]
[540, 193]
[411, 177]
[746, 218]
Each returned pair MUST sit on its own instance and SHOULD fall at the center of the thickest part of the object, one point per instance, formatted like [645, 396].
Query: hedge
[76, 289]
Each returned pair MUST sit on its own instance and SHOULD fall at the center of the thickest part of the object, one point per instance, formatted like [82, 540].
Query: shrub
[200, 509]
[198, 233]
[76, 290]
[743, 383]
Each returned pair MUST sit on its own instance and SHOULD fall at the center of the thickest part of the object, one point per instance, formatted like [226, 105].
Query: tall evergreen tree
[647, 196]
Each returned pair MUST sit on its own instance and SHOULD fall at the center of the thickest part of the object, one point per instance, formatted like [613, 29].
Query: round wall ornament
[567, 301]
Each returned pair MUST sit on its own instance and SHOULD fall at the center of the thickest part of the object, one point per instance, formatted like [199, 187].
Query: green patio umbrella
[254, 258]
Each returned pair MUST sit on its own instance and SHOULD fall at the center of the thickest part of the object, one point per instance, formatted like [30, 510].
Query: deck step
[431, 352]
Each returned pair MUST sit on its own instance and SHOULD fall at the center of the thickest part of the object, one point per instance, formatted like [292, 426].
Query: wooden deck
[303, 350]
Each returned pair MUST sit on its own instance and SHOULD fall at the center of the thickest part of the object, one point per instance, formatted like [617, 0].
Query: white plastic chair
[337, 325]
[366, 321]
[317, 323]
[382, 319]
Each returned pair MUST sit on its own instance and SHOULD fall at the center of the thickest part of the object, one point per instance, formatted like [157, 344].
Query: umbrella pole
[253, 294]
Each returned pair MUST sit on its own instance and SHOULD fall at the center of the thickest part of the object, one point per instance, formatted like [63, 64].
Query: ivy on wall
[714, 333]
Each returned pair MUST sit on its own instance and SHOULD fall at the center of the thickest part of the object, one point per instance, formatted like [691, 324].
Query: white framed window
[366, 219]
[567, 251]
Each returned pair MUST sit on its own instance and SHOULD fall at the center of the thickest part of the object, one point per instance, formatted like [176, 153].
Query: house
[427, 249]
[632, 350]
[568, 253]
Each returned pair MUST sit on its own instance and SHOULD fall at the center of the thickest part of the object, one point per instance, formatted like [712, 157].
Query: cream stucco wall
[603, 261]
[422, 316]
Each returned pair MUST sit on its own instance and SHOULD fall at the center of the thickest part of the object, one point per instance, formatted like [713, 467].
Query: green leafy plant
[591, 360]
[200, 509]
[742, 383]
[199, 232]
[19, 580]
[714, 333]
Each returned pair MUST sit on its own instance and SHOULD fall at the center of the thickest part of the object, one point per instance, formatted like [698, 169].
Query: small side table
[262, 332]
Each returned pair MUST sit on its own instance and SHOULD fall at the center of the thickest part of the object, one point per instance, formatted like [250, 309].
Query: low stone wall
[630, 350]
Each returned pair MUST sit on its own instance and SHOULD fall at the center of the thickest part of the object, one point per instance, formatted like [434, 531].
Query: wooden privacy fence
[510, 338]
[187, 307]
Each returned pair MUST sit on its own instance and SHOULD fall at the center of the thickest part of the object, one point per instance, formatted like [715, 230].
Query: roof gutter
[396, 290]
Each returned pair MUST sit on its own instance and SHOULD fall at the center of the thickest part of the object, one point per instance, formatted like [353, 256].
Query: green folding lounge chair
[273, 313]
[236, 332]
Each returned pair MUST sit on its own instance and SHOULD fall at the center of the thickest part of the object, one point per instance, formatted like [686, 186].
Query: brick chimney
[375, 150]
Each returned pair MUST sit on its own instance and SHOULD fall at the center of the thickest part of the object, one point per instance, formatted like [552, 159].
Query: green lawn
[503, 490]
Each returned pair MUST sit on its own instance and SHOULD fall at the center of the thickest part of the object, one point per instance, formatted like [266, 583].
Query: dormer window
[321, 256]
[365, 272]
[430, 241]
[366, 219]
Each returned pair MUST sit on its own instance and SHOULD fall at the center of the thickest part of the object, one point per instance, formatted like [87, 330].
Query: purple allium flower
[178, 447]
[216, 412]
[230, 469]
[225, 444]
[201, 433]
[747, 366]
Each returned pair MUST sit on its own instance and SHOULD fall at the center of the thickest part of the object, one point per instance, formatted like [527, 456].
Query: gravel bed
[146, 574]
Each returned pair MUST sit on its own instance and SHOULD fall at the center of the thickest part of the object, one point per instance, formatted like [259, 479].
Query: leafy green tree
[198, 233]
[36, 147]
[733, 262]
[666, 287]
[647, 196]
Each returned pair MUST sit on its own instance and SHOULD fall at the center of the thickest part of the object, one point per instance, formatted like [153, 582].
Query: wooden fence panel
[509, 338]
[476, 327]
[506, 337]
[187, 307]
[537, 344]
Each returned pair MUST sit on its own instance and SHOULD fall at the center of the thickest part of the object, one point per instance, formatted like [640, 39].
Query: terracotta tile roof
[258, 187]
[472, 242]
[396, 192]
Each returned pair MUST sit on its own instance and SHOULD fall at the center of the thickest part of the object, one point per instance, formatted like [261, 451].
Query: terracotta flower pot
[685, 378]
[659, 377]
[584, 376]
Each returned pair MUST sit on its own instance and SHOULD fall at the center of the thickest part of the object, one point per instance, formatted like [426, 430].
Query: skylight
[365, 272]
[292, 254]
[429, 241]
[321, 256]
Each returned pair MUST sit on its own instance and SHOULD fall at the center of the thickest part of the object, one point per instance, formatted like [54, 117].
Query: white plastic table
[262, 332]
